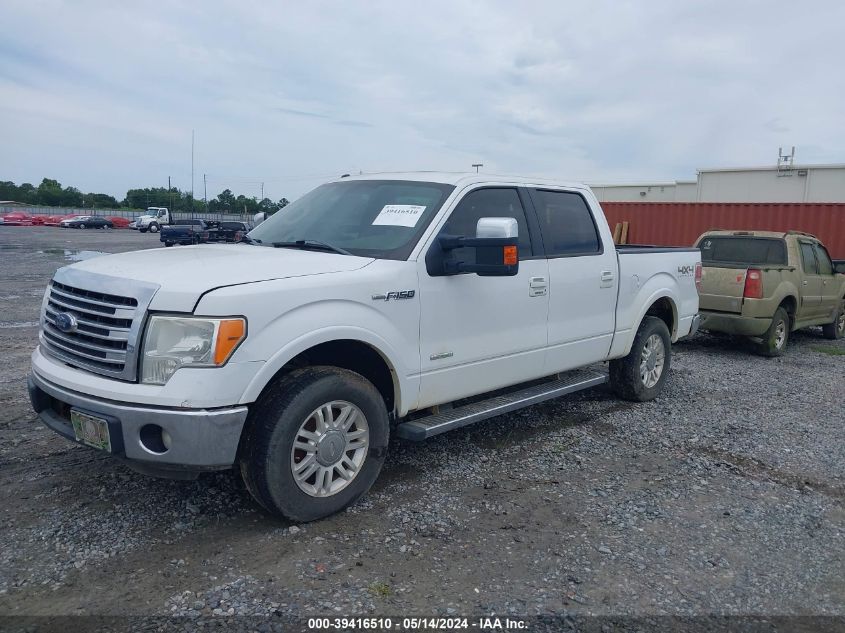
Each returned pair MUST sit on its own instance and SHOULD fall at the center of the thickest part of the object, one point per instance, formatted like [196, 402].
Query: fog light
[154, 439]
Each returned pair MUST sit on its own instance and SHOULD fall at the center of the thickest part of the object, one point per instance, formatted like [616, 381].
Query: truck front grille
[105, 326]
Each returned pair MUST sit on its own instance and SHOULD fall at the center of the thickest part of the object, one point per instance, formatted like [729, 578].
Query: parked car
[54, 220]
[16, 218]
[229, 231]
[86, 222]
[765, 284]
[118, 222]
[373, 304]
[184, 232]
[39, 220]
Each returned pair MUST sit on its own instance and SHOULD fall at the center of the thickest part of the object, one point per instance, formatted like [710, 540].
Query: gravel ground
[723, 496]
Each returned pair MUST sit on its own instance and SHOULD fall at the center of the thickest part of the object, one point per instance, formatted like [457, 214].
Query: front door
[481, 333]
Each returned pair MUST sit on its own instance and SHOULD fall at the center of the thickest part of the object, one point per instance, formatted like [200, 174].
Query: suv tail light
[698, 272]
[753, 284]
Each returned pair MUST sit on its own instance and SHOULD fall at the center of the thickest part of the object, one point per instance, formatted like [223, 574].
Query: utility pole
[169, 196]
[477, 166]
[205, 192]
[191, 199]
[262, 191]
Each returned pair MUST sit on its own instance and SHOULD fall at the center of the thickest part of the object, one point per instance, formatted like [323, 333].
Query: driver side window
[487, 203]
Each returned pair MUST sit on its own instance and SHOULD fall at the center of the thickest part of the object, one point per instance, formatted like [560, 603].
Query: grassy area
[830, 351]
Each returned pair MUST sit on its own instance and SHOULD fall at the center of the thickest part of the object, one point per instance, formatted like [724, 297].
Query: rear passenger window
[566, 223]
[487, 203]
[808, 257]
[823, 259]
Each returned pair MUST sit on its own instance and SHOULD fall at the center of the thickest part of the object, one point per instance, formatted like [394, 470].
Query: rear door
[582, 280]
[811, 285]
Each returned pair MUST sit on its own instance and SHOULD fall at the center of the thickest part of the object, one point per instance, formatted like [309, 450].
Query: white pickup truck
[404, 303]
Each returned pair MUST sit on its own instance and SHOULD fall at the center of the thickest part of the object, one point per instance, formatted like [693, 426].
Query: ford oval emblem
[66, 322]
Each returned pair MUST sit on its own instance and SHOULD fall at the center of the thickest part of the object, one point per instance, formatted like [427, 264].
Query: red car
[16, 218]
[118, 222]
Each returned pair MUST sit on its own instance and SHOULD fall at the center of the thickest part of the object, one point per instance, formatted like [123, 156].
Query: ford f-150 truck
[409, 304]
[764, 285]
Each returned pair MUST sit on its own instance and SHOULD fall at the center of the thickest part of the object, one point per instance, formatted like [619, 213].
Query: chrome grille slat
[75, 352]
[122, 332]
[78, 304]
[120, 353]
[104, 321]
[109, 313]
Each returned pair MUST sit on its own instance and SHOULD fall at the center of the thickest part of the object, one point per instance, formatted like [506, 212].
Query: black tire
[153, 228]
[265, 454]
[143, 230]
[776, 337]
[836, 329]
[82, 226]
[626, 379]
[168, 243]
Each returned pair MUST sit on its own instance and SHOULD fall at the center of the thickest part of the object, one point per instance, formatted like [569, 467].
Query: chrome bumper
[200, 439]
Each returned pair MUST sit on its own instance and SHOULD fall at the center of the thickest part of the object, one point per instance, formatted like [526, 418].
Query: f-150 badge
[395, 294]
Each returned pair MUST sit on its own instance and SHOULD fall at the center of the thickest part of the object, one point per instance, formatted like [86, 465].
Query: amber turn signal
[510, 256]
[229, 335]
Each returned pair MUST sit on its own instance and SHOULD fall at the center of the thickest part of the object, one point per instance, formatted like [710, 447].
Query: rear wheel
[83, 226]
[314, 443]
[836, 329]
[641, 374]
[777, 336]
[168, 243]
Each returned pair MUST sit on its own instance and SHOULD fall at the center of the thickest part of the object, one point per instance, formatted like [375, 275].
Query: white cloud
[104, 95]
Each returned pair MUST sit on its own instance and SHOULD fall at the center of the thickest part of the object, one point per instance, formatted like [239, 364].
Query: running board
[423, 428]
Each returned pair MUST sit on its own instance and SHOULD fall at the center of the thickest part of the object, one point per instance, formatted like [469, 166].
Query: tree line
[50, 193]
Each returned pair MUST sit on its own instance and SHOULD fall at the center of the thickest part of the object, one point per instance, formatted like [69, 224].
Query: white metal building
[784, 183]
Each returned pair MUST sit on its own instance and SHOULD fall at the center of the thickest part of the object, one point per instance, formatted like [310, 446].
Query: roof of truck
[463, 178]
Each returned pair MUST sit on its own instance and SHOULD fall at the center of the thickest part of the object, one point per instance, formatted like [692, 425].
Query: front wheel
[314, 443]
[143, 230]
[641, 374]
[82, 226]
[168, 243]
[153, 228]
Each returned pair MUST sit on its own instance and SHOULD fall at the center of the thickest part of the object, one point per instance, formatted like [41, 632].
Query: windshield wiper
[246, 239]
[311, 244]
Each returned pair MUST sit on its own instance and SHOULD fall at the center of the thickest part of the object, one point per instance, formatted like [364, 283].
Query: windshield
[371, 218]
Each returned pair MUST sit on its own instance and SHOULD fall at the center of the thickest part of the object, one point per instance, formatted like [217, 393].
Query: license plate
[91, 430]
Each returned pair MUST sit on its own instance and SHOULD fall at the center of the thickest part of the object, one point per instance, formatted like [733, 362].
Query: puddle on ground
[8, 325]
[72, 255]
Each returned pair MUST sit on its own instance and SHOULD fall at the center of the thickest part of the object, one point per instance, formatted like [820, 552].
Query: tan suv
[765, 285]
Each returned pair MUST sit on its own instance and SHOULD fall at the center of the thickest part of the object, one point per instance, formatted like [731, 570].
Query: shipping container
[680, 223]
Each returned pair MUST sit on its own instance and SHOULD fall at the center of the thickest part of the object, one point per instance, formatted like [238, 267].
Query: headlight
[174, 342]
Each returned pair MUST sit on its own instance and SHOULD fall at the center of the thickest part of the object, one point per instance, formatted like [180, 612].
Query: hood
[185, 273]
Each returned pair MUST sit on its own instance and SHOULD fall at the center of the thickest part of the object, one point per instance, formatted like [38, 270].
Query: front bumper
[734, 324]
[201, 439]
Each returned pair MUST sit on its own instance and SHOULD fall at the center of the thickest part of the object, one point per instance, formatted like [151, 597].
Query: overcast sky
[103, 96]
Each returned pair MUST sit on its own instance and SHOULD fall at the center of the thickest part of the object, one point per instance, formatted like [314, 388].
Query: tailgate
[722, 289]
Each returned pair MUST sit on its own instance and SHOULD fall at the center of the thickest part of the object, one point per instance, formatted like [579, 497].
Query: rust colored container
[680, 223]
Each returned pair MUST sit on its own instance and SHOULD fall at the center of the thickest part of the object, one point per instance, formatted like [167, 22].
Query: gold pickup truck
[765, 285]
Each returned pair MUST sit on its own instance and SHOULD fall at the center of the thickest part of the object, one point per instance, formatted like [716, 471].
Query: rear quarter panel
[646, 277]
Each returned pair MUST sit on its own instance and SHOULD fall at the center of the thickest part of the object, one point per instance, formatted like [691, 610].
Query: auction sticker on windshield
[399, 215]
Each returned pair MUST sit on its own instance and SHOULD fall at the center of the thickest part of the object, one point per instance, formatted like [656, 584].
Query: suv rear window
[743, 250]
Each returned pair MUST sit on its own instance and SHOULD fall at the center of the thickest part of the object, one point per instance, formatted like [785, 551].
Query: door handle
[607, 277]
[537, 286]
[804, 282]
